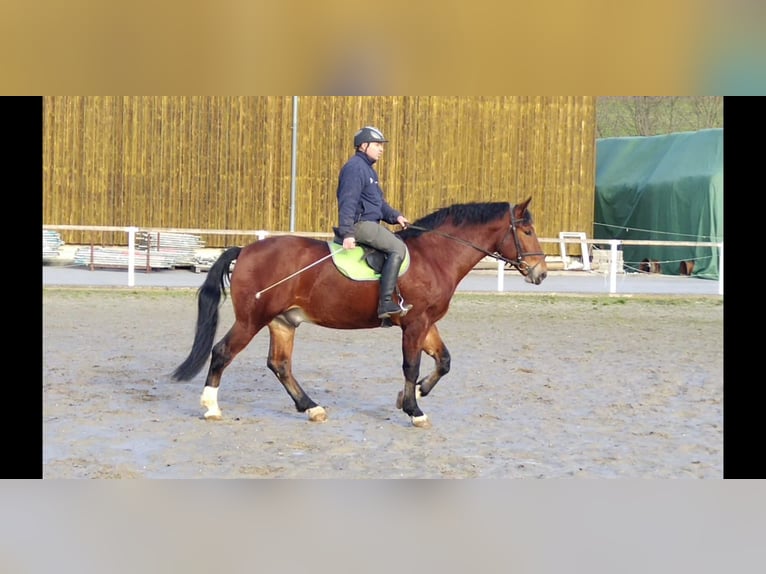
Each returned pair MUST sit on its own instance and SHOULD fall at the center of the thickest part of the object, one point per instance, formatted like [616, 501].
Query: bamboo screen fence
[225, 162]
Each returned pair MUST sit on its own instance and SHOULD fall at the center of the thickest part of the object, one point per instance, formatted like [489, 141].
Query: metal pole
[294, 162]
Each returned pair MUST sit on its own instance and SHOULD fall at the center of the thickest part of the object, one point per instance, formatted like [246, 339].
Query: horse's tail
[208, 301]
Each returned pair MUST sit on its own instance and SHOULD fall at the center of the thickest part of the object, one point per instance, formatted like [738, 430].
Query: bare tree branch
[619, 116]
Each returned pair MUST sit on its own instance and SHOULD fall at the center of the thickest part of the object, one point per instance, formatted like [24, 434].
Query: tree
[619, 116]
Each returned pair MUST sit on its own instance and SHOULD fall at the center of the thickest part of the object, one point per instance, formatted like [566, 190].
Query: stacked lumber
[52, 243]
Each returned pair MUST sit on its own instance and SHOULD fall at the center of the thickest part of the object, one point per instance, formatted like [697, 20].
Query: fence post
[131, 255]
[720, 270]
[613, 265]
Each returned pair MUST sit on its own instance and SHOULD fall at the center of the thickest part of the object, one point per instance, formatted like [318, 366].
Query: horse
[282, 281]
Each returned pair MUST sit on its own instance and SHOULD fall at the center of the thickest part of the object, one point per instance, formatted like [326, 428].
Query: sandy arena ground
[541, 386]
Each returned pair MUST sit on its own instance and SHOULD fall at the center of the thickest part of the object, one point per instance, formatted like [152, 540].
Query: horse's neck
[465, 250]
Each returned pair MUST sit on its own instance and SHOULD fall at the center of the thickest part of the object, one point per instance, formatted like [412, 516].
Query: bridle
[519, 263]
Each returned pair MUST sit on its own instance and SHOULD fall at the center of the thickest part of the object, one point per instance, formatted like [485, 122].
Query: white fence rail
[613, 251]
[563, 239]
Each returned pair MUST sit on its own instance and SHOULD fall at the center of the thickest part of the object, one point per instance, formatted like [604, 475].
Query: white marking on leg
[317, 414]
[421, 422]
[209, 400]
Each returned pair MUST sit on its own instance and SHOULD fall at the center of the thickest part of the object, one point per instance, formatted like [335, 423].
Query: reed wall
[225, 162]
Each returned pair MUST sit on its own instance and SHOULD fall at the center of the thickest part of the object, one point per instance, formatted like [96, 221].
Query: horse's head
[520, 246]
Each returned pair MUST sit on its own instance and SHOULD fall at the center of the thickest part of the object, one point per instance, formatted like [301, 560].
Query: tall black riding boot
[388, 276]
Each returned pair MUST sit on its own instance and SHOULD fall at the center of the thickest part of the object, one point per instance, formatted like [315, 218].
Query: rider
[361, 208]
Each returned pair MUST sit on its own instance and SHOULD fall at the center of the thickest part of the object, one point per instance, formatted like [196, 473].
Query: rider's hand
[403, 221]
[349, 243]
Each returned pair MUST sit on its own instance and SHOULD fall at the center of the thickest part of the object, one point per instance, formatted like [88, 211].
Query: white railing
[615, 243]
[564, 238]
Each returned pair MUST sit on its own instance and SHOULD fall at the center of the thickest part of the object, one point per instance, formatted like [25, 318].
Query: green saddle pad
[352, 264]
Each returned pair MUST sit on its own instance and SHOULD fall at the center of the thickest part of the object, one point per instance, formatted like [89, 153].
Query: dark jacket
[360, 197]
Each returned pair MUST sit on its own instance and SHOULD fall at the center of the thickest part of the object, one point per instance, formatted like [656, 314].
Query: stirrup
[390, 308]
[404, 308]
[401, 309]
[385, 321]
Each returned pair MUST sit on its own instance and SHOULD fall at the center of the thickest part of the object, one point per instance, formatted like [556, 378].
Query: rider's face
[373, 150]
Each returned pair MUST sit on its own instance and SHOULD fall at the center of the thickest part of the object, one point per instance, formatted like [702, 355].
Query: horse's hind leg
[222, 355]
[280, 362]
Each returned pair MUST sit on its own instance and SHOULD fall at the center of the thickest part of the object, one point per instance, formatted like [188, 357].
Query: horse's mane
[461, 214]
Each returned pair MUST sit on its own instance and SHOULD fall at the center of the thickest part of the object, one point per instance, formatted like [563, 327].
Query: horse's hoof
[213, 416]
[317, 414]
[421, 422]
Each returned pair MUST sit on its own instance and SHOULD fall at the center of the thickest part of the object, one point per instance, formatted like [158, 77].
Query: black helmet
[368, 134]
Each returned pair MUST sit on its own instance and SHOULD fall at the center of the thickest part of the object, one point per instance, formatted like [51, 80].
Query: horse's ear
[522, 207]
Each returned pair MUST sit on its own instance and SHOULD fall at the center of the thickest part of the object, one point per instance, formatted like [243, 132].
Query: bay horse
[283, 281]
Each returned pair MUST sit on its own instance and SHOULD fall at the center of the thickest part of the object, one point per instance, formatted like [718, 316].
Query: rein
[518, 263]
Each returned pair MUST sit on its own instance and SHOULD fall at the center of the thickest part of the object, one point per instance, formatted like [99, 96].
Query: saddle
[362, 263]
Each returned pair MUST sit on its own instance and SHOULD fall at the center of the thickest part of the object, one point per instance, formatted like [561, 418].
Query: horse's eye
[527, 232]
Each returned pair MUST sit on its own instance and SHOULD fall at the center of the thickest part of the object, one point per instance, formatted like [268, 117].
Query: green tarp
[662, 188]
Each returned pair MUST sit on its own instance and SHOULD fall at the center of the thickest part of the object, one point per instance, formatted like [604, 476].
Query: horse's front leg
[407, 399]
[434, 348]
[282, 333]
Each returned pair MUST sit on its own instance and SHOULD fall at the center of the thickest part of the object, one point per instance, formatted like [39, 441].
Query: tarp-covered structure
[662, 188]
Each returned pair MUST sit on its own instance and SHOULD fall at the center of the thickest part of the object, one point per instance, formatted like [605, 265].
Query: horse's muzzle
[536, 273]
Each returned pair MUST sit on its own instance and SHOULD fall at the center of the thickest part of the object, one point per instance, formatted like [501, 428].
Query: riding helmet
[368, 134]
